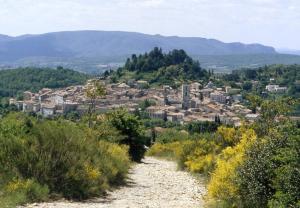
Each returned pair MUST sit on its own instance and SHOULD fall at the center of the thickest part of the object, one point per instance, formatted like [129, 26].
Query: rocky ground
[152, 184]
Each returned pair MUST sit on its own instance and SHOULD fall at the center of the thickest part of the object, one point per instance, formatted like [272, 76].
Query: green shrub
[202, 126]
[152, 123]
[31, 189]
[130, 127]
[57, 157]
[171, 135]
[18, 191]
[11, 200]
[168, 150]
[286, 181]
[270, 175]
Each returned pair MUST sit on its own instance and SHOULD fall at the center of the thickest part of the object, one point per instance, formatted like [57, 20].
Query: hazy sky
[271, 22]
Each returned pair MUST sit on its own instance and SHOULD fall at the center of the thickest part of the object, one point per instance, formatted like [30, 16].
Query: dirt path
[153, 184]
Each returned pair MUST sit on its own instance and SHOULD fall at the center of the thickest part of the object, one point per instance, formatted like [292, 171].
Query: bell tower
[185, 90]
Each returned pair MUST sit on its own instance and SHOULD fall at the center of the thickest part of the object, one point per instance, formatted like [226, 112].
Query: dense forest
[15, 81]
[159, 68]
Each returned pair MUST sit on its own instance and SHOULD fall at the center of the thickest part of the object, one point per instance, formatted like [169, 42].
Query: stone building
[185, 93]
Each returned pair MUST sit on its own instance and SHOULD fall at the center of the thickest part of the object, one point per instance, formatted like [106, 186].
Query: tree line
[15, 81]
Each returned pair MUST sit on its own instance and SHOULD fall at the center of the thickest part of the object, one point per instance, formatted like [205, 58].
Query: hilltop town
[191, 102]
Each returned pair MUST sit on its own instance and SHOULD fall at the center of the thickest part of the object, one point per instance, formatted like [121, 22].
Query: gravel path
[152, 184]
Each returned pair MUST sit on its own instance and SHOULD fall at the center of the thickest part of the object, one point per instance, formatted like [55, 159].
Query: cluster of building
[192, 102]
[49, 102]
[196, 103]
[275, 88]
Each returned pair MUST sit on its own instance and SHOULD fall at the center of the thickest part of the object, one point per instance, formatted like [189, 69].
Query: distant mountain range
[288, 51]
[88, 50]
[4, 37]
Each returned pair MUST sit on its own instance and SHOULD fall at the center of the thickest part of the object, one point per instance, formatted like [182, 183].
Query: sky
[270, 22]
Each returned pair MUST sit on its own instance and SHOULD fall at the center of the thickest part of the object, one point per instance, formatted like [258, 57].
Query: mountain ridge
[4, 37]
[91, 43]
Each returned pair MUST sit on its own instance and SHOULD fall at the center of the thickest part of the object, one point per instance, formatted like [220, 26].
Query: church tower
[166, 92]
[185, 90]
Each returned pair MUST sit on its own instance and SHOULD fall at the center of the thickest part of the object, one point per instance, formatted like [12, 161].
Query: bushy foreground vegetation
[56, 158]
[251, 166]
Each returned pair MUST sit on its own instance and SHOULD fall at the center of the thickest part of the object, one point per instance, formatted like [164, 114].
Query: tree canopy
[162, 68]
[16, 81]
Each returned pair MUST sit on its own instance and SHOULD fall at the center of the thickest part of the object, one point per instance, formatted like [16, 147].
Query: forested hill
[15, 81]
[160, 68]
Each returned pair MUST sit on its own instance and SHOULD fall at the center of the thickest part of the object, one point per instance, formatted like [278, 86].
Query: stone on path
[153, 183]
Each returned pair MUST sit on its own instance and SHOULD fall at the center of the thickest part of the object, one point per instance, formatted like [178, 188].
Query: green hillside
[159, 68]
[15, 81]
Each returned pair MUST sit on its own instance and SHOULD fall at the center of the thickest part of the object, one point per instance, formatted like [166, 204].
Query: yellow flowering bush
[223, 181]
[115, 161]
[92, 172]
[195, 155]
[227, 136]
[168, 150]
[16, 185]
[198, 156]
[31, 190]
[200, 164]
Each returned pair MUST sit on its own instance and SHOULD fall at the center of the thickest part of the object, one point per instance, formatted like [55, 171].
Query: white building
[36, 107]
[232, 91]
[276, 89]
[281, 89]
[218, 97]
[12, 101]
[69, 106]
[158, 115]
[48, 111]
[58, 99]
[271, 88]
[252, 117]
[175, 117]
[156, 112]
